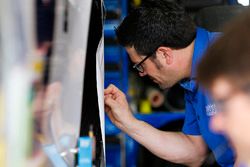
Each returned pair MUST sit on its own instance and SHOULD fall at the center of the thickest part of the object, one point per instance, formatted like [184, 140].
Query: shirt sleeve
[190, 126]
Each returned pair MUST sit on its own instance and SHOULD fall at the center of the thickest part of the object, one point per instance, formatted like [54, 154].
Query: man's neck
[187, 55]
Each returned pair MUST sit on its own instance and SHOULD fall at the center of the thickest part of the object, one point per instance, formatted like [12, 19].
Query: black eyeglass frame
[138, 66]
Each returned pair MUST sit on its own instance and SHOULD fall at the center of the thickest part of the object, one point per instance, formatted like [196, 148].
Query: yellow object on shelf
[145, 107]
[137, 2]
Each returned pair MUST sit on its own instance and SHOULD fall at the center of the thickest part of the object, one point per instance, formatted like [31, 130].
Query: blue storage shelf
[116, 71]
[112, 54]
[109, 29]
[113, 78]
[112, 4]
[113, 155]
[113, 50]
[112, 74]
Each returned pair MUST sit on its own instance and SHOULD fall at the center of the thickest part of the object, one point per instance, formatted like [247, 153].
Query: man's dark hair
[229, 56]
[156, 23]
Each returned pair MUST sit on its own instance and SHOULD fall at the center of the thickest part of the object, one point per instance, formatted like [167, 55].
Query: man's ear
[166, 54]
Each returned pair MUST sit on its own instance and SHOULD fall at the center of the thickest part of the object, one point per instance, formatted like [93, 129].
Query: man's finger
[109, 101]
[111, 89]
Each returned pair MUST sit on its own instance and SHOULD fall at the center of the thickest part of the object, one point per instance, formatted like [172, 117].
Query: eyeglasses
[221, 104]
[139, 66]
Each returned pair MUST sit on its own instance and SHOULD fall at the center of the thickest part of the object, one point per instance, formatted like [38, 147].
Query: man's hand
[117, 108]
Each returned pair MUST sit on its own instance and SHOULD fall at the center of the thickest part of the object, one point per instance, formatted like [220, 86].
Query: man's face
[233, 117]
[155, 68]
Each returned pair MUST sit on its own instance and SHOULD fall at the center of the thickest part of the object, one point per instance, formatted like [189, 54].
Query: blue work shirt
[200, 107]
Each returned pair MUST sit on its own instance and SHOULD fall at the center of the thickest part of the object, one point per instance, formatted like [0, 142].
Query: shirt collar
[200, 46]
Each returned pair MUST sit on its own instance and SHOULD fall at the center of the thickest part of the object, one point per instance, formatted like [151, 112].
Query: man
[163, 42]
[229, 82]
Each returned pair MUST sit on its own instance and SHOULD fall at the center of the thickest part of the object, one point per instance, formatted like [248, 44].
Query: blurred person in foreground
[225, 72]
[165, 45]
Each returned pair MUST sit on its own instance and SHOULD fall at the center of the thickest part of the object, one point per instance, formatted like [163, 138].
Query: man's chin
[165, 86]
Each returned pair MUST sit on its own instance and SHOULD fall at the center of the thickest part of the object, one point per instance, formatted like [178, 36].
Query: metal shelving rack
[116, 60]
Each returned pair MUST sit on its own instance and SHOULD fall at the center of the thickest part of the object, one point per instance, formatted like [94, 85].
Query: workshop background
[164, 109]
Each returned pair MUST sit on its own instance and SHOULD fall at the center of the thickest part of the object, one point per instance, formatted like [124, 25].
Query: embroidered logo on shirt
[211, 109]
